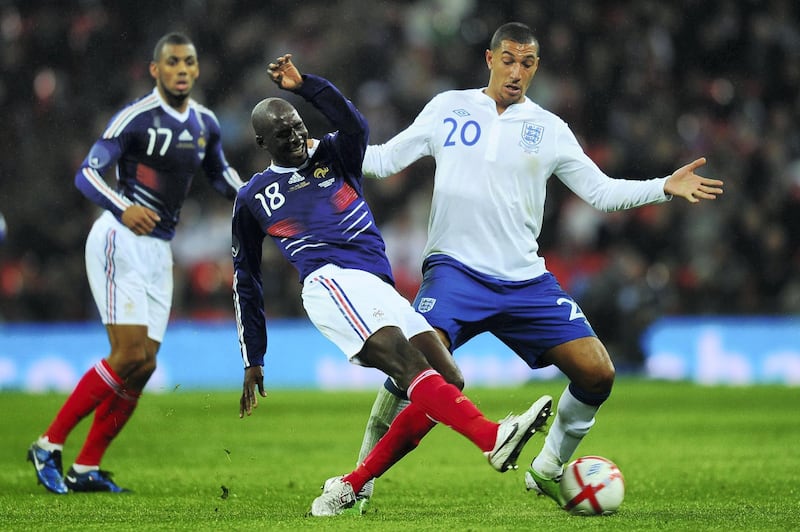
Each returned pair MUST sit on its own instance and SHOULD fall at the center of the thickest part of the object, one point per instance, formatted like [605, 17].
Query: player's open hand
[253, 378]
[140, 220]
[685, 183]
[284, 73]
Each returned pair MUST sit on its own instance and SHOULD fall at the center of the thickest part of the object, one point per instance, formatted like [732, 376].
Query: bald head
[267, 112]
[280, 130]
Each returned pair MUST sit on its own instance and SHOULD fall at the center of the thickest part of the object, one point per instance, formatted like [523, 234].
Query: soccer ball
[592, 485]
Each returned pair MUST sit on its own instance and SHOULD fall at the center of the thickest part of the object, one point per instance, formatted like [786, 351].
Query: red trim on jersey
[344, 197]
[284, 228]
[147, 176]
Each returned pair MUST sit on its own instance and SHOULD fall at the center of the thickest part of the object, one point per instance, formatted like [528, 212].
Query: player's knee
[142, 374]
[604, 379]
[147, 368]
[595, 379]
[599, 373]
[127, 359]
[453, 376]
[600, 382]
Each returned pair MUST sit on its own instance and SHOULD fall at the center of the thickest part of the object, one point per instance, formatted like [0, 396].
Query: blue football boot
[48, 468]
[97, 480]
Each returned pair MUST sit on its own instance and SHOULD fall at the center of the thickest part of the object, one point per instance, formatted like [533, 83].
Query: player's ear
[260, 141]
[489, 59]
[153, 70]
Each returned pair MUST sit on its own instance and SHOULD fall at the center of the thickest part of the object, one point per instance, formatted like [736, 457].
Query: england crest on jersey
[531, 136]
[426, 304]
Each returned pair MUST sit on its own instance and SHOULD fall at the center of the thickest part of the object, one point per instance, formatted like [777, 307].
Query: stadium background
[646, 85]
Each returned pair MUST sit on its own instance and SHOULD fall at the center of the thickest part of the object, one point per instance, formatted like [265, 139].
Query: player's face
[175, 72]
[511, 70]
[287, 140]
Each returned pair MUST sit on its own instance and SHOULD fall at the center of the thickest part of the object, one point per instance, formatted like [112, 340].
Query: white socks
[572, 421]
[44, 443]
[81, 469]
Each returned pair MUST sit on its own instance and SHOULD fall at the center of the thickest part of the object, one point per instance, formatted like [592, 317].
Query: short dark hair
[170, 38]
[513, 31]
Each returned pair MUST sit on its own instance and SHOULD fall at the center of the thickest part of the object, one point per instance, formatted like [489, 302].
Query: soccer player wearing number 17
[157, 144]
[310, 202]
[495, 150]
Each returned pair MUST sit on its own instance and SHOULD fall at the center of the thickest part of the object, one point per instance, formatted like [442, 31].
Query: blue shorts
[530, 317]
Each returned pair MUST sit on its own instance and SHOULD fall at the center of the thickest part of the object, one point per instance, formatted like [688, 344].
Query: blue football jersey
[316, 214]
[157, 152]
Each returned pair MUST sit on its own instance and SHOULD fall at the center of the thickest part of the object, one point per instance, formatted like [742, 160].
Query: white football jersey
[491, 176]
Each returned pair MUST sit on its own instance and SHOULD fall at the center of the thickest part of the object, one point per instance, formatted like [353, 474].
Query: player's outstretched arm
[253, 378]
[284, 73]
[693, 187]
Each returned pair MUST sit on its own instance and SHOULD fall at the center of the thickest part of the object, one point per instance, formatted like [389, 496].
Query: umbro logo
[460, 112]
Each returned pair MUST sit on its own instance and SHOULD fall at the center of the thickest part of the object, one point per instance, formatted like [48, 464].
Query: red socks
[96, 385]
[403, 436]
[431, 398]
[100, 389]
[445, 403]
[109, 418]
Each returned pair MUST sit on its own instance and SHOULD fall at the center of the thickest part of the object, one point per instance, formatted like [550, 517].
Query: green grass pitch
[693, 457]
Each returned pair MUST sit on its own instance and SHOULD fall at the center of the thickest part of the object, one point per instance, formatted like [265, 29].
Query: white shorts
[130, 276]
[348, 305]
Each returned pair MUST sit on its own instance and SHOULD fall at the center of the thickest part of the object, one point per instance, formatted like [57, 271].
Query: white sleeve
[408, 146]
[578, 172]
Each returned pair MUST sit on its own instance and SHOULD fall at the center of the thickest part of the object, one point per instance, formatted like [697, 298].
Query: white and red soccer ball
[592, 485]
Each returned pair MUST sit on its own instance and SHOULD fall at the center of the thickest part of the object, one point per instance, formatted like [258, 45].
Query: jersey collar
[285, 169]
[181, 117]
[484, 99]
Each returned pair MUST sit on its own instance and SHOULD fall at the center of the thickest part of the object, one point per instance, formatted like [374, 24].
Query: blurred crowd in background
[647, 86]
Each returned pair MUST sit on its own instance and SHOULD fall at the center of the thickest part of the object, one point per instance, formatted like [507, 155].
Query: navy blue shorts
[530, 317]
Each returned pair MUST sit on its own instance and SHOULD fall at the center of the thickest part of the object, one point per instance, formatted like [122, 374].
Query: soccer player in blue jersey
[156, 144]
[310, 202]
[495, 150]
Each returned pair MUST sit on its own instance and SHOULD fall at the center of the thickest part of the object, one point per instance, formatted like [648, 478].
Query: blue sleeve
[89, 178]
[350, 141]
[248, 295]
[223, 177]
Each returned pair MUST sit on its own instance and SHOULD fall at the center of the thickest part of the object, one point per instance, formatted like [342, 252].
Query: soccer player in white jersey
[495, 149]
[156, 144]
[309, 201]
